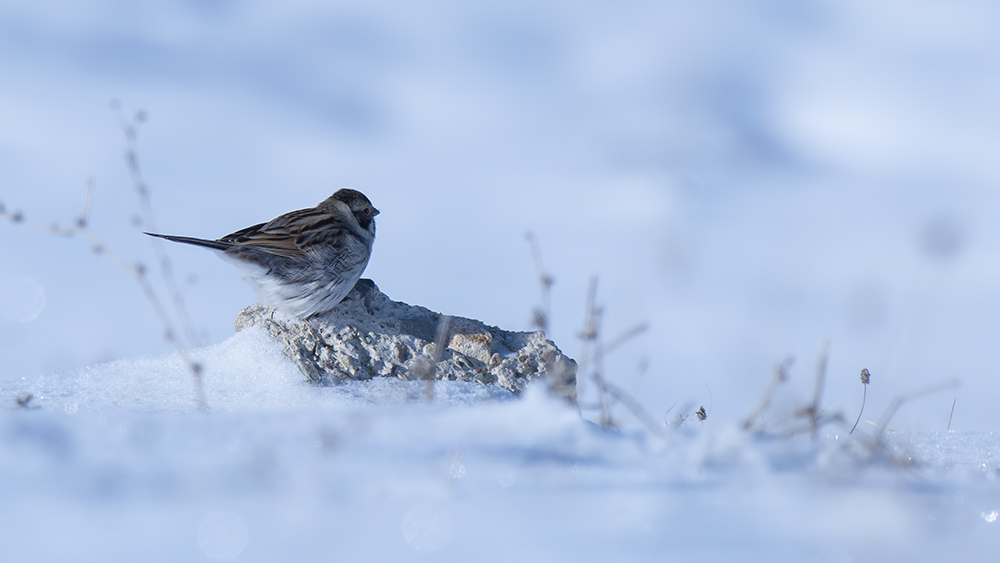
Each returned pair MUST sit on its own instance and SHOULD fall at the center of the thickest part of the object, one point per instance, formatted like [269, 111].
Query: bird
[302, 263]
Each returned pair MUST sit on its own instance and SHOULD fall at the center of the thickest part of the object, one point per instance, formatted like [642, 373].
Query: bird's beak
[374, 212]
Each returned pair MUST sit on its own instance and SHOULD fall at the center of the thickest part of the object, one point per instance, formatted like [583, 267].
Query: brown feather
[290, 235]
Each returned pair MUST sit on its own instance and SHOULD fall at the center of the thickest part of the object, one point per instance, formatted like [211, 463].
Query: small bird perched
[303, 262]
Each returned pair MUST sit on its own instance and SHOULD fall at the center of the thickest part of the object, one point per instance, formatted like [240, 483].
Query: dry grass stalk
[901, 400]
[429, 370]
[951, 414]
[131, 131]
[137, 270]
[779, 376]
[865, 379]
[701, 414]
[813, 411]
[592, 358]
[541, 315]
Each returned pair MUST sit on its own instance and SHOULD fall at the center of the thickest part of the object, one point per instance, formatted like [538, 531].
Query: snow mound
[115, 463]
[245, 373]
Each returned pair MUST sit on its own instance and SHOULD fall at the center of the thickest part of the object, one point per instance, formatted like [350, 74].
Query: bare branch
[780, 376]
[634, 407]
[813, 410]
[624, 337]
[131, 131]
[543, 314]
[82, 229]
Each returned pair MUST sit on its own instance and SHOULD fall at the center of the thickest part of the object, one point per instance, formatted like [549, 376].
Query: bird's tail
[213, 244]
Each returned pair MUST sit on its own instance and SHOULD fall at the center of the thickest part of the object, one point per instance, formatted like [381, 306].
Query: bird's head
[360, 206]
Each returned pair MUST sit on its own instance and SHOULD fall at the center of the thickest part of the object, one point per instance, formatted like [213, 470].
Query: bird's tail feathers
[213, 244]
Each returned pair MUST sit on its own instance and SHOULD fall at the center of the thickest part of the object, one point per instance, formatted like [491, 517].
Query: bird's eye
[368, 212]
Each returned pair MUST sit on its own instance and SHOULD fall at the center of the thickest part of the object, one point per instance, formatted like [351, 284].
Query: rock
[369, 335]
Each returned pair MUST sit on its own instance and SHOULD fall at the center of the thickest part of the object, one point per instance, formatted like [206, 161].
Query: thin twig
[131, 132]
[865, 379]
[440, 342]
[81, 222]
[902, 400]
[592, 316]
[633, 406]
[624, 337]
[589, 334]
[711, 400]
[668, 412]
[877, 425]
[135, 269]
[682, 416]
[813, 411]
[543, 314]
[951, 414]
[779, 376]
[864, 395]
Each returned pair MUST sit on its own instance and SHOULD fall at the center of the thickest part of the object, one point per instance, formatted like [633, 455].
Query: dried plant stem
[780, 376]
[877, 425]
[864, 396]
[814, 410]
[135, 269]
[952, 413]
[592, 358]
[624, 337]
[130, 128]
[131, 131]
[633, 406]
[866, 378]
[592, 352]
[440, 342]
[542, 315]
[588, 336]
[903, 399]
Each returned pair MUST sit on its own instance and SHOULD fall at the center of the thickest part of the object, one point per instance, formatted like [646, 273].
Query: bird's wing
[290, 235]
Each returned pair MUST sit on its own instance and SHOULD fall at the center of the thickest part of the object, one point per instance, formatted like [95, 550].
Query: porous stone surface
[369, 335]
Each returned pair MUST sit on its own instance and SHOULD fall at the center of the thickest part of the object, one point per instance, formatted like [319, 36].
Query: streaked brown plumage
[303, 262]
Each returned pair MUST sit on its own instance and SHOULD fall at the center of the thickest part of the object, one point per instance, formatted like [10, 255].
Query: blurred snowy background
[749, 178]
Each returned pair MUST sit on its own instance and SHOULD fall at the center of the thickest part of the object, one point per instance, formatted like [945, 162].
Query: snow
[750, 179]
[114, 463]
[245, 373]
